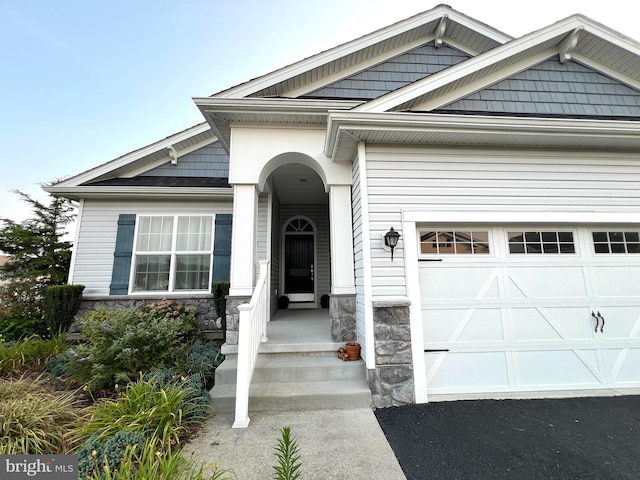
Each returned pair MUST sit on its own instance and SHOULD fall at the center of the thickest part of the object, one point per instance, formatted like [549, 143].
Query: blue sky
[83, 82]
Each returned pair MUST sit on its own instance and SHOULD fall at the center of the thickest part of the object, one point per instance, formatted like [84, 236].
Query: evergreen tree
[38, 257]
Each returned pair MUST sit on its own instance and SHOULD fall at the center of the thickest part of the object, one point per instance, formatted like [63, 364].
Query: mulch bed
[576, 438]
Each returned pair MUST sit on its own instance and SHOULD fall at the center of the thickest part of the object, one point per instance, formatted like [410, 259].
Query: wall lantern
[391, 240]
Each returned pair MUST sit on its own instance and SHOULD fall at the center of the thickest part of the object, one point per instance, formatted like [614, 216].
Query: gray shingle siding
[209, 161]
[553, 88]
[393, 74]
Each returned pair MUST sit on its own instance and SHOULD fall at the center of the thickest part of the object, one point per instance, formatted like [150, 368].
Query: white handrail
[252, 330]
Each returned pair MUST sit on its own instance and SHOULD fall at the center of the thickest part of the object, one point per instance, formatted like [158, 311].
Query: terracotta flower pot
[353, 350]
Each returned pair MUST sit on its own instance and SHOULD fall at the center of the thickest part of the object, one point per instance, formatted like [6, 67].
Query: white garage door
[515, 309]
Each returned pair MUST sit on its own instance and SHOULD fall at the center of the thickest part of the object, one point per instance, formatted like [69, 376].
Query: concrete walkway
[334, 444]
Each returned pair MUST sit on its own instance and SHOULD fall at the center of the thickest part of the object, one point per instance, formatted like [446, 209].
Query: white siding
[430, 179]
[358, 254]
[97, 229]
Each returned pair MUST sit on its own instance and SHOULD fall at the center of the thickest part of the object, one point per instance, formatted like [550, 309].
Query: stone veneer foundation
[342, 313]
[391, 382]
[233, 317]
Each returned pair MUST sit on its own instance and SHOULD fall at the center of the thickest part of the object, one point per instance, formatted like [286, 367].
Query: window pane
[480, 248]
[600, 237]
[192, 272]
[516, 248]
[194, 234]
[632, 237]
[616, 236]
[154, 234]
[151, 273]
[633, 247]
[601, 247]
[550, 237]
[480, 237]
[550, 247]
[617, 248]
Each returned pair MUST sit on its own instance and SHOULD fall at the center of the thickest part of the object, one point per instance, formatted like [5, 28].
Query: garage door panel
[444, 283]
[625, 365]
[551, 324]
[616, 281]
[620, 322]
[467, 372]
[552, 369]
[464, 325]
[550, 281]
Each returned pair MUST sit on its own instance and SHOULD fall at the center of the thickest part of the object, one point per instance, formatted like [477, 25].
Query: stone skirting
[342, 312]
[202, 303]
[391, 382]
[233, 317]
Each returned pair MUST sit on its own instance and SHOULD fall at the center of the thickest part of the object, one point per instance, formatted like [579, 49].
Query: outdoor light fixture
[391, 240]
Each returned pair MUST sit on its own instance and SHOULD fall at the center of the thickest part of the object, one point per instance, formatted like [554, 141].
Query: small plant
[99, 453]
[145, 408]
[158, 461]
[202, 358]
[33, 419]
[220, 292]
[60, 305]
[287, 453]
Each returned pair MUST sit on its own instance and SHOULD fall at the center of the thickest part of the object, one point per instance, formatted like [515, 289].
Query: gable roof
[576, 37]
[442, 22]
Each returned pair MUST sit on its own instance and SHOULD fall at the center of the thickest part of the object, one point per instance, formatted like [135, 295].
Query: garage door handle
[597, 318]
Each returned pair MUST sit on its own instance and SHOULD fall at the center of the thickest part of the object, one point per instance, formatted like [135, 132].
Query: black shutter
[222, 248]
[122, 255]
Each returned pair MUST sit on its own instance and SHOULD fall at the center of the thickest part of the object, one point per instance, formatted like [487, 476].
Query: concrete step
[327, 349]
[293, 369]
[288, 396]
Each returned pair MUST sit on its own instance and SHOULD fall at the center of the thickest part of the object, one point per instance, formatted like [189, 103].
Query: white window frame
[609, 230]
[421, 228]
[538, 228]
[173, 254]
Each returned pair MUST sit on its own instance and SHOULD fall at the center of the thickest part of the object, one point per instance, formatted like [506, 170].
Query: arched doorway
[299, 254]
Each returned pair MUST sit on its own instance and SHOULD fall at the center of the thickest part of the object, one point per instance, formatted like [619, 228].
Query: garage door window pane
[453, 242]
[550, 243]
[616, 242]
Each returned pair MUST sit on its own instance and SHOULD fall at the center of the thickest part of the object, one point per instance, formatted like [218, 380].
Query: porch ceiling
[298, 184]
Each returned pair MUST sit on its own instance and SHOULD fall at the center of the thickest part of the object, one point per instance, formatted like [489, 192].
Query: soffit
[345, 133]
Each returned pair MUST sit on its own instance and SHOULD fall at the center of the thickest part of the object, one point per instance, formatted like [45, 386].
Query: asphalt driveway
[575, 438]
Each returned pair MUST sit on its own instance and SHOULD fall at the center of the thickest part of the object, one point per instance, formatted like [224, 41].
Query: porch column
[243, 240]
[342, 276]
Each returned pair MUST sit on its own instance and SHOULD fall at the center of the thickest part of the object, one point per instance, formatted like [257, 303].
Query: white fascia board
[402, 122]
[473, 65]
[320, 59]
[138, 191]
[133, 156]
[272, 105]
[521, 217]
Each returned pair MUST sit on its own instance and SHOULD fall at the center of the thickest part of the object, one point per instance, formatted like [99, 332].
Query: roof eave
[112, 192]
[346, 130]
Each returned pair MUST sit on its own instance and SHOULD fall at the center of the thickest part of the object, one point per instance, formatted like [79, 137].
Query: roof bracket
[440, 29]
[173, 155]
[568, 45]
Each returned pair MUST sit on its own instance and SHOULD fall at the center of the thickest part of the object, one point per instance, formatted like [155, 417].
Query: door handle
[598, 317]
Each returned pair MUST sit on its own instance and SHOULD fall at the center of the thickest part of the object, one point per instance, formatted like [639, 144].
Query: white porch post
[243, 240]
[342, 278]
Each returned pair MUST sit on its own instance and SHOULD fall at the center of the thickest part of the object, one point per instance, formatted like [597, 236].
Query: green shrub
[202, 358]
[29, 353]
[143, 407]
[34, 420]
[220, 292]
[98, 452]
[60, 305]
[120, 344]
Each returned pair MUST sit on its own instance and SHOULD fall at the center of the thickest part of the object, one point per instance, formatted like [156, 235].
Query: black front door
[298, 265]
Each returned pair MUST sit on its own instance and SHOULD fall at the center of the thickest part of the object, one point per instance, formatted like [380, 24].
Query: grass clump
[34, 420]
[30, 353]
[145, 408]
